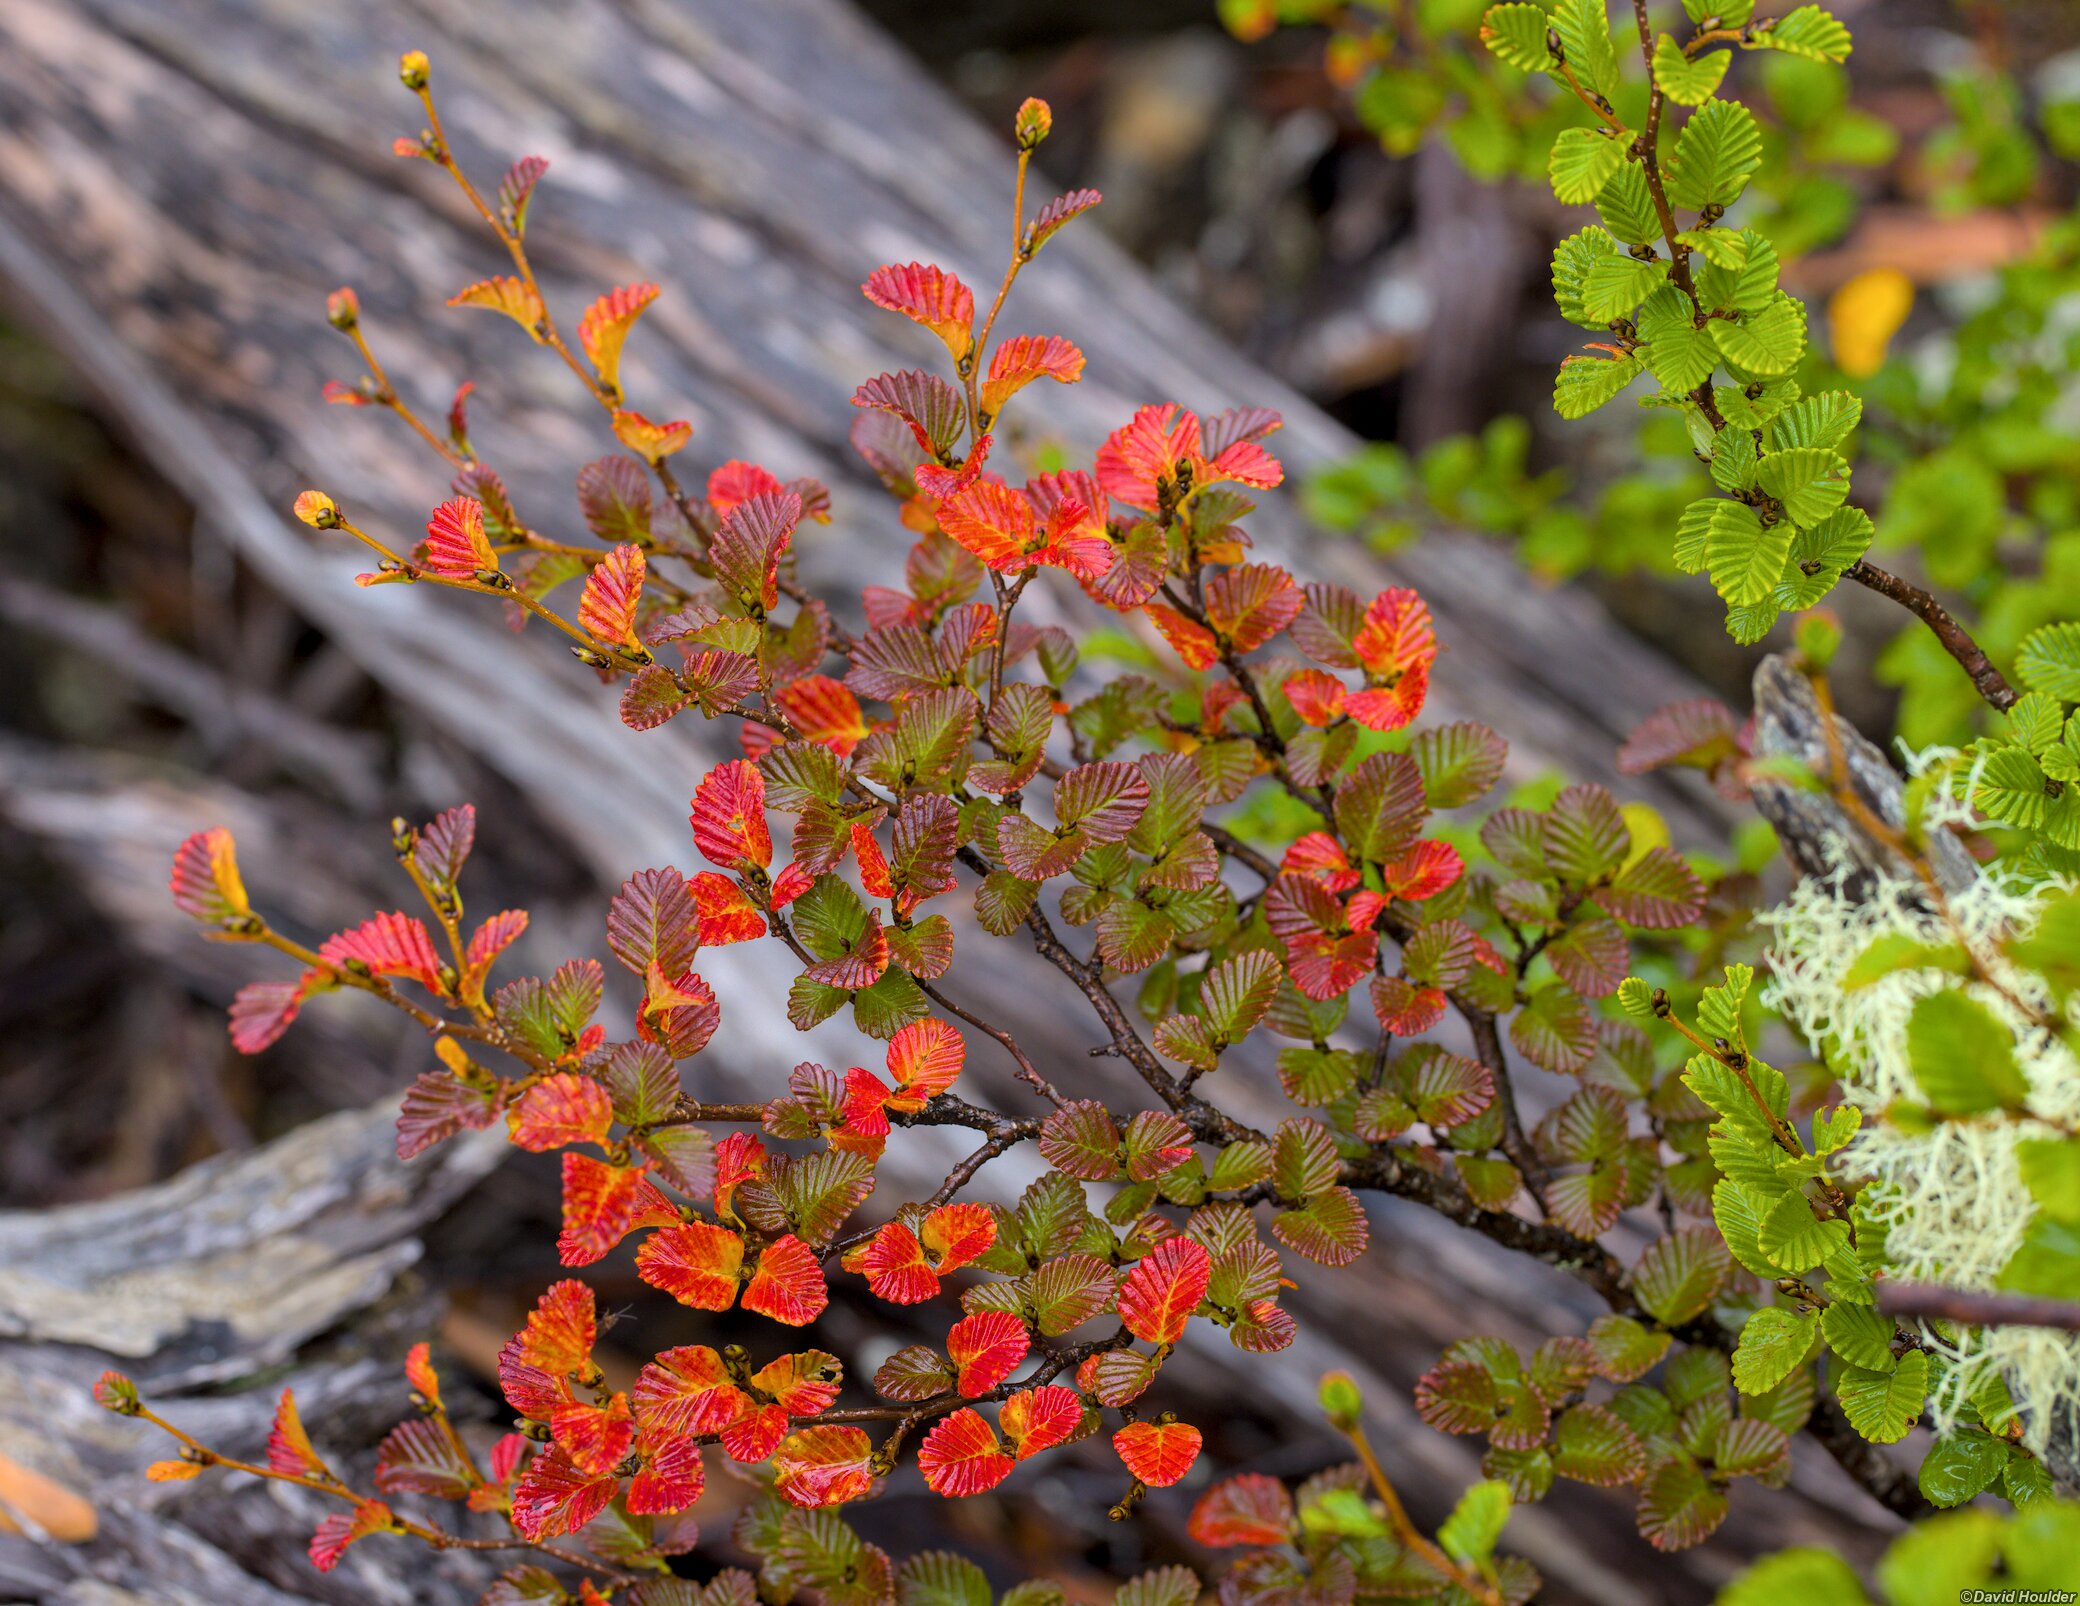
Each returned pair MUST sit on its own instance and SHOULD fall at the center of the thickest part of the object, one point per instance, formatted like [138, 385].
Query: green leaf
[1808, 32]
[1773, 1343]
[1963, 1057]
[1799, 1577]
[1859, 1335]
[1680, 354]
[1721, 248]
[1737, 1212]
[1898, 950]
[1677, 1275]
[1795, 1238]
[1744, 556]
[1517, 33]
[1823, 420]
[1765, 342]
[1584, 27]
[1582, 163]
[2051, 1171]
[1459, 762]
[1586, 383]
[1809, 481]
[1574, 259]
[1884, 1406]
[1618, 283]
[2050, 661]
[1470, 1532]
[1962, 1466]
[1685, 81]
[1720, 147]
[1627, 206]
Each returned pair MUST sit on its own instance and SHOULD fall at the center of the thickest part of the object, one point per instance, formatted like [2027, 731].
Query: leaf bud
[1034, 120]
[1819, 638]
[343, 308]
[317, 510]
[115, 1392]
[413, 70]
[1341, 1402]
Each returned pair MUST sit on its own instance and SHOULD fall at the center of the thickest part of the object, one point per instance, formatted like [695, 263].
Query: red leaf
[788, 1285]
[1251, 603]
[418, 1457]
[729, 817]
[737, 481]
[726, 913]
[516, 189]
[672, 1478]
[205, 882]
[697, 1264]
[893, 1263]
[1039, 1419]
[653, 923]
[263, 1010]
[986, 1347]
[391, 944]
[1159, 1454]
[486, 943]
[456, 545]
[343, 1528]
[823, 1466]
[607, 610]
[1140, 459]
[1162, 1289]
[1404, 1008]
[555, 1496]
[560, 1330]
[594, 1436]
[861, 966]
[804, 1384]
[1253, 1509]
[605, 325]
[563, 1109]
[928, 295]
[961, 1456]
[1321, 856]
[686, 1390]
[1424, 871]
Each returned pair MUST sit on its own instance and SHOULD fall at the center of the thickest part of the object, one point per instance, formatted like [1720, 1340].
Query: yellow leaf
[1648, 830]
[1864, 315]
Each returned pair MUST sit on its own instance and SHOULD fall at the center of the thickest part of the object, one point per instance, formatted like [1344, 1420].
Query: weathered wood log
[184, 180]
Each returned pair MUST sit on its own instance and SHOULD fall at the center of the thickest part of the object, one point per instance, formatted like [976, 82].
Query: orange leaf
[928, 295]
[419, 1372]
[1397, 635]
[594, 1436]
[607, 610]
[788, 1285]
[957, 1234]
[157, 1472]
[824, 710]
[804, 1384]
[205, 882]
[672, 1478]
[986, 1347]
[961, 1456]
[288, 1446]
[992, 521]
[1016, 363]
[602, 1204]
[1160, 1291]
[555, 1496]
[823, 1466]
[516, 298]
[1193, 642]
[686, 1390]
[924, 1058]
[456, 545]
[697, 1264]
[1159, 1454]
[1423, 871]
[1251, 603]
[1038, 1419]
[560, 1330]
[873, 863]
[652, 442]
[727, 914]
[729, 817]
[562, 1109]
[1316, 695]
[737, 481]
[604, 328]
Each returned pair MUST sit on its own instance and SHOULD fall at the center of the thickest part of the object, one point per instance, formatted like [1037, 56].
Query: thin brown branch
[1972, 1309]
[1990, 683]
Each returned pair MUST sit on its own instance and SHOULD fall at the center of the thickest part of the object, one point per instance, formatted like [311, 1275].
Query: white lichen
[1950, 1194]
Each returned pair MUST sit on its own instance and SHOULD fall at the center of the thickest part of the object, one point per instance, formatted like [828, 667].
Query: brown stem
[1974, 1309]
[1990, 683]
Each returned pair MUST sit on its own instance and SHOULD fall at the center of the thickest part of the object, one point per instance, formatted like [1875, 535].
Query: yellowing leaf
[1864, 315]
[516, 298]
